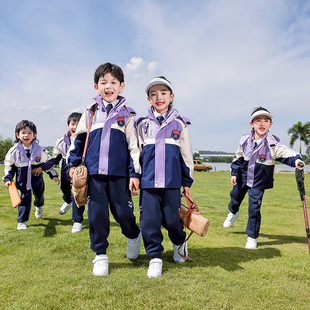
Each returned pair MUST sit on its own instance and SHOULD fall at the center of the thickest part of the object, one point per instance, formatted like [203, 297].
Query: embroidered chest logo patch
[38, 159]
[120, 121]
[176, 134]
[262, 158]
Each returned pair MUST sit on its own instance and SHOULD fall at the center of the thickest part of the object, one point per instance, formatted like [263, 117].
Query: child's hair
[258, 109]
[115, 70]
[75, 117]
[22, 125]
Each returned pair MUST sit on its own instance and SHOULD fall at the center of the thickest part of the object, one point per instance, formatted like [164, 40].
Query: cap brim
[157, 81]
[261, 113]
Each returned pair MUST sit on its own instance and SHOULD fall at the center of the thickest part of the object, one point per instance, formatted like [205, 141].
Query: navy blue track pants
[160, 207]
[26, 197]
[112, 190]
[255, 200]
[65, 187]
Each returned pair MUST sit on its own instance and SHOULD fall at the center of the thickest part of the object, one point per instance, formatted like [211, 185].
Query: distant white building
[208, 154]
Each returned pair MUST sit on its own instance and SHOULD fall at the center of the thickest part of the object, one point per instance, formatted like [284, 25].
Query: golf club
[301, 187]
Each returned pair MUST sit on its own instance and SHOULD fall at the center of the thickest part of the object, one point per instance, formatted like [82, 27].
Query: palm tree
[301, 132]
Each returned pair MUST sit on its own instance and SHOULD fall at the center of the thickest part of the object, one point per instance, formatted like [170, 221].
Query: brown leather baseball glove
[79, 185]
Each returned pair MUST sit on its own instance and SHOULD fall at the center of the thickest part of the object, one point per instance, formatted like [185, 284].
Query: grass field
[47, 267]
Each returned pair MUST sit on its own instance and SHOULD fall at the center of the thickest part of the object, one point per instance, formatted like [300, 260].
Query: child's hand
[134, 186]
[7, 184]
[233, 180]
[299, 164]
[37, 171]
[187, 191]
[55, 179]
[71, 172]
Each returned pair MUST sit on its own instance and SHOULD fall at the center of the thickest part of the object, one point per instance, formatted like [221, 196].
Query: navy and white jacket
[256, 165]
[113, 143]
[17, 162]
[60, 151]
[166, 159]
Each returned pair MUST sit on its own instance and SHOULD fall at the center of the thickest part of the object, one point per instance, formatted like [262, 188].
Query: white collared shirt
[113, 103]
[28, 148]
[156, 114]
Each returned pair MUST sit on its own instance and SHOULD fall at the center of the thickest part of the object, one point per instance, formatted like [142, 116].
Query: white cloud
[152, 66]
[138, 68]
[136, 63]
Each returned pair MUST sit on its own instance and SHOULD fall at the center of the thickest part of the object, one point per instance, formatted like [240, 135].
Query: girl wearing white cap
[252, 170]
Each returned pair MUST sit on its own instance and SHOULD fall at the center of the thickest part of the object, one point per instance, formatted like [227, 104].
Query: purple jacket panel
[255, 166]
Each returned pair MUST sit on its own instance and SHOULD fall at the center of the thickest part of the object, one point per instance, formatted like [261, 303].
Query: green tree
[300, 132]
[49, 149]
[5, 145]
[195, 156]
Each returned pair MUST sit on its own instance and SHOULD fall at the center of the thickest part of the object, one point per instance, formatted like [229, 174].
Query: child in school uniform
[60, 155]
[252, 171]
[167, 164]
[20, 160]
[112, 160]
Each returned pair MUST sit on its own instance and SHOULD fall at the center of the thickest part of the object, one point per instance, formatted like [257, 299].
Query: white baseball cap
[158, 80]
[259, 112]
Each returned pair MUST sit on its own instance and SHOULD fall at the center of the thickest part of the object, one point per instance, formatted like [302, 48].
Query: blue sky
[223, 57]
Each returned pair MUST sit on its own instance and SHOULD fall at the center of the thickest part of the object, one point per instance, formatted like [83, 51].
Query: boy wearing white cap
[167, 165]
[252, 171]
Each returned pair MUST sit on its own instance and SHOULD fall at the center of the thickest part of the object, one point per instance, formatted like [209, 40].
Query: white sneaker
[183, 250]
[230, 219]
[77, 227]
[101, 265]
[155, 268]
[22, 225]
[39, 212]
[65, 208]
[133, 247]
[251, 243]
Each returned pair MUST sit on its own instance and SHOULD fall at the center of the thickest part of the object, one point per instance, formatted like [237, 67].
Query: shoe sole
[152, 277]
[63, 212]
[101, 275]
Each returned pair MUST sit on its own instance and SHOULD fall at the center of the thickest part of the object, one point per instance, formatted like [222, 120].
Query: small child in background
[60, 155]
[167, 164]
[19, 161]
[252, 171]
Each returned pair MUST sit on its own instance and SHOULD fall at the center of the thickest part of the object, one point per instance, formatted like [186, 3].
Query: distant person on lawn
[167, 165]
[252, 171]
[60, 155]
[20, 160]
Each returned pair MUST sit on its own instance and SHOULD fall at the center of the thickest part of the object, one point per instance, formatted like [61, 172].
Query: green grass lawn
[47, 267]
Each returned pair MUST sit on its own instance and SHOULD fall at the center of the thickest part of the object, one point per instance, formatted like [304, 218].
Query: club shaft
[306, 221]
